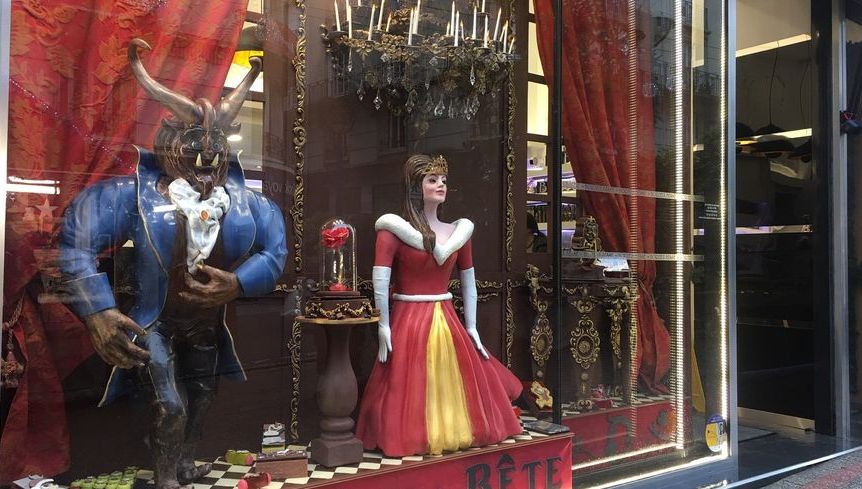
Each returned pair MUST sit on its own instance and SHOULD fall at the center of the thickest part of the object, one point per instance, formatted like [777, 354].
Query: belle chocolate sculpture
[434, 387]
[201, 239]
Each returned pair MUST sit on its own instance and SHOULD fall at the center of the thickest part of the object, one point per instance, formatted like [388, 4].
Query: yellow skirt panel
[446, 416]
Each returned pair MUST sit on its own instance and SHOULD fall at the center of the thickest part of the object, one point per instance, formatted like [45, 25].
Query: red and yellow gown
[436, 392]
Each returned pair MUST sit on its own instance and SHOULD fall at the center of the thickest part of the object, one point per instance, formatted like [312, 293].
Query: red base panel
[620, 430]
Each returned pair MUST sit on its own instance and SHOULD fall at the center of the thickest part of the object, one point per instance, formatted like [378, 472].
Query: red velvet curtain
[598, 132]
[74, 111]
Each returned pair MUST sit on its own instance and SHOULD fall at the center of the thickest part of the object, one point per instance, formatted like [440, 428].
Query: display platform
[601, 433]
[526, 460]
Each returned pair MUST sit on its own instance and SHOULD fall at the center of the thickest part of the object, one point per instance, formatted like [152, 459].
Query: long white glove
[471, 297]
[380, 279]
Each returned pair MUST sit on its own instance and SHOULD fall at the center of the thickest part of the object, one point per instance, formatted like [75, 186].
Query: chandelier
[416, 66]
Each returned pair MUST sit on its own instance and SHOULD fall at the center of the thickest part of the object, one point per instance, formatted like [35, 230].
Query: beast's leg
[198, 364]
[169, 423]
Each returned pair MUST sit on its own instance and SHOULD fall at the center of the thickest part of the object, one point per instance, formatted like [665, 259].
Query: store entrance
[776, 215]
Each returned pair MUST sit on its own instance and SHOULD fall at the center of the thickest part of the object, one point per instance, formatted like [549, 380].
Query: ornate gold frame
[294, 345]
[511, 103]
[297, 209]
[294, 348]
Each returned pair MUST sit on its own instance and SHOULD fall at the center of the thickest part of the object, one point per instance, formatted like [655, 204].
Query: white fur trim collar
[396, 225]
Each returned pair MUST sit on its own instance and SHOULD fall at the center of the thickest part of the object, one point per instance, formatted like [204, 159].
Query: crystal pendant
[411, 101]
[474, 105]
[384, 57]
[361, 92]
[434, 61]
[378, 102]
[438, 110]
[453, 112]
[428, 106]
[389, 74]
[472, 75]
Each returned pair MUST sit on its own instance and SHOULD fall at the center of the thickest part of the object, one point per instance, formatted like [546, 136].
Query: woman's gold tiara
[438, 166]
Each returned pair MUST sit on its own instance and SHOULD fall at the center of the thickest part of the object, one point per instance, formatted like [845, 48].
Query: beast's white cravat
[202, 217]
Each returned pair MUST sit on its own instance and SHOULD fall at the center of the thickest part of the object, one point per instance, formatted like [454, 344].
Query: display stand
[526, 460]
[337, 393]
[645, 423]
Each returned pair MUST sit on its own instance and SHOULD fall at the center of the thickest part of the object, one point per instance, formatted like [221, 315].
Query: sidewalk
[844, 472]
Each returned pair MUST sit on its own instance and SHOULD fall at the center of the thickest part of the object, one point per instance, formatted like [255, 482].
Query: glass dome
[337, 256]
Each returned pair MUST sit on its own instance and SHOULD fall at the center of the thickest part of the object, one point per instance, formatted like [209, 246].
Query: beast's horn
[229, 106]
[181, 106]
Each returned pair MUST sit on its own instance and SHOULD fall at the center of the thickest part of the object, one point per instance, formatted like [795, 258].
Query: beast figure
[200, 239]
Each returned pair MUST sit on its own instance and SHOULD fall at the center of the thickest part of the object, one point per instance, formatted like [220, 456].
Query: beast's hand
[108, 331]
[221, 288]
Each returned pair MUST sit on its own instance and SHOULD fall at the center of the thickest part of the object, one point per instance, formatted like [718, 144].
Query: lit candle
[505, 33]
[388, 21]
[380, 17]
[410, 30]
[497, 25]
[371, 20]
[452, 18]
[483, 6]
[463, 31]
[448, 28]
[349, 21]
[511, 44]
[474, 22]
[337, 20]
[416, 21]
[455, 27]
[485, 43]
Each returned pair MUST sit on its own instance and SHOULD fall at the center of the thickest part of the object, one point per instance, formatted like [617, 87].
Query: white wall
[762, 21]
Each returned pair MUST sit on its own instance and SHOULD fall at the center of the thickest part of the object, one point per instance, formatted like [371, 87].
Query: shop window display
[361, 348]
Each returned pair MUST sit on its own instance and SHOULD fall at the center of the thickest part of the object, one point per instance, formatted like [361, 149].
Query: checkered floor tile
[638, 399]
[224, 475]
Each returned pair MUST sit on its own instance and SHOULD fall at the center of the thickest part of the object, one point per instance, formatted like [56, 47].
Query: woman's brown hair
[413, 204]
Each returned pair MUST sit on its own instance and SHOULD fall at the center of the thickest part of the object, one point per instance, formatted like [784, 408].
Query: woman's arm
[384, 254]
[470, 294]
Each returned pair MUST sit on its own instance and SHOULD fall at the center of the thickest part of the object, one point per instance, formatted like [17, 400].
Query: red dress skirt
[436, 392]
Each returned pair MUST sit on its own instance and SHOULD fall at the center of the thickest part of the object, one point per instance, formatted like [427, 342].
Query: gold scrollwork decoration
[365, 286]
[299, 135]
[618, 304]
[294, 348]
[458, 302]
[616, 307]
[455, 284]
[511, 101]
[541, 337]
[510, 324]
[584, 343]
[579, 297]
[315, 309]
[284, 288]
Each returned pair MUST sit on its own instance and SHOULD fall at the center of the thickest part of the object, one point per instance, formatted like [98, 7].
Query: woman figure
[434, 387]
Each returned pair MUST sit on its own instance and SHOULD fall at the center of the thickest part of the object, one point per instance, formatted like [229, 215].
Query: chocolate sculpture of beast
[201, 239]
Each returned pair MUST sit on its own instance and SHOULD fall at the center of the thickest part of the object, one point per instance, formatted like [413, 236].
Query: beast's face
[195, 153]
[193, 144]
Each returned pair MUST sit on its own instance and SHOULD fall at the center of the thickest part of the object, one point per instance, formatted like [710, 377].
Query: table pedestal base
[333, 453]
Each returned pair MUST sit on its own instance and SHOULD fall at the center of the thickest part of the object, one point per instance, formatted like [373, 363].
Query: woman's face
[434, 188]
